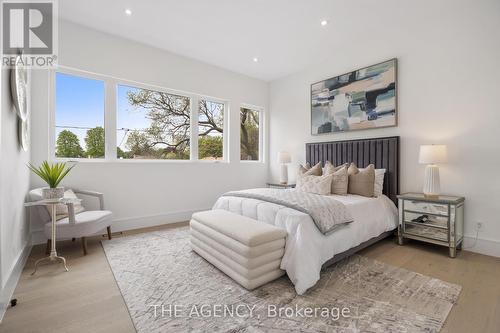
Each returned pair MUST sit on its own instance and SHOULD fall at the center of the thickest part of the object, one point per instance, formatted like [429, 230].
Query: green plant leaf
[51, 174]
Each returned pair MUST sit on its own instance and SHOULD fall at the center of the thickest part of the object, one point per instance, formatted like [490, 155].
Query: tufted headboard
[382, 152]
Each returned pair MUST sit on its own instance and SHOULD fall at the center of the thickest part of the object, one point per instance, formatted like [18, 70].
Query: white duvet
[307, 249]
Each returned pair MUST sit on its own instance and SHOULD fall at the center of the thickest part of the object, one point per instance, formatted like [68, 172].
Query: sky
[80, 103]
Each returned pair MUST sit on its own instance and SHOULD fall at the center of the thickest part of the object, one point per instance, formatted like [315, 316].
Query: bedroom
[167, 109]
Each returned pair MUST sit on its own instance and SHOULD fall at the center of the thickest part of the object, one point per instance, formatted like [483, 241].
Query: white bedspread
[307, 249]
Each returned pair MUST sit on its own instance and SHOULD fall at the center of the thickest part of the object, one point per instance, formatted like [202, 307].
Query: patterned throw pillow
[340, 177]
[314, 184]
[307, 170]
[361, 181]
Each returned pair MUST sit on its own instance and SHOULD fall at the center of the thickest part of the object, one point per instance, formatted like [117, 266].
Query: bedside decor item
[284, 158]
[52, 175]
[19, 87]
[432, 155]
[362, 99]
[438, 220]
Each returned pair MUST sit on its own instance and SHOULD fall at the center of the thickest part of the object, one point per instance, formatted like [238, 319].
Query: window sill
[132, 161]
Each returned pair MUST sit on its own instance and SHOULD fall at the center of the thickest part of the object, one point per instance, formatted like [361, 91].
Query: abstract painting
[362, 99]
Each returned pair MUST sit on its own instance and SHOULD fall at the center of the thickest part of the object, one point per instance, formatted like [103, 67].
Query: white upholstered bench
[246, 250]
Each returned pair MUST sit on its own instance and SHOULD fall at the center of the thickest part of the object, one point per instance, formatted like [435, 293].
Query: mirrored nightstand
[438, 220]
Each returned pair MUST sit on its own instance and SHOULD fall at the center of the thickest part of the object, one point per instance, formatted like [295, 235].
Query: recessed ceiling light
[255, 59]
[128, 12]
[324, 22]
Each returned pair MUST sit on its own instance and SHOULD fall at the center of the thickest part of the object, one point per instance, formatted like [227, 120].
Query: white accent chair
[80, 225]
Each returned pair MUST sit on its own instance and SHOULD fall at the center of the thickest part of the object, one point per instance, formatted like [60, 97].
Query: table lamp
[284, 158]
[432, 155]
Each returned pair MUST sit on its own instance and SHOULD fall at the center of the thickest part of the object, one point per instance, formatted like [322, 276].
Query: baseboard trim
[10, 286]
[131, 223]
[488, 247]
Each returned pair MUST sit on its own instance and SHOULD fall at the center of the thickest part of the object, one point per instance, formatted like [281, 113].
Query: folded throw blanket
[326, 212]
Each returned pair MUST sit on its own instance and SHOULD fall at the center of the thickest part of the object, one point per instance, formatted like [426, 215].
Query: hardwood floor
[87, 299]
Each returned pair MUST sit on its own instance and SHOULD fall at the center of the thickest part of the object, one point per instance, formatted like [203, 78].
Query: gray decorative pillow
[307, 170]
[314, 184]
[340, 177]
[361, 181]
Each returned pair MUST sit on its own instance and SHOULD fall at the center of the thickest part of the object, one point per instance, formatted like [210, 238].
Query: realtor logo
[29, 33]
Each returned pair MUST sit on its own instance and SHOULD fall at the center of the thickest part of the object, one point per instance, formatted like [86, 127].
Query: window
[152, 124]
[79, 117]
[210, 130]
[250, 134]
[105, 118]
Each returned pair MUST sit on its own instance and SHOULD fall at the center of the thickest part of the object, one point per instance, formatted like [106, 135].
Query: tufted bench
[246, 250]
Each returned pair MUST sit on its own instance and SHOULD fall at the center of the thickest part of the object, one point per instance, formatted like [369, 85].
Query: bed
[307, 250]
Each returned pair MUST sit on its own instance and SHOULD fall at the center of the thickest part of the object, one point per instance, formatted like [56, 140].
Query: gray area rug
[169, 288]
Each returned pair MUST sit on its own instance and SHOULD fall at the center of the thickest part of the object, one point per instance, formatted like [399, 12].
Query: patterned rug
[169, 288]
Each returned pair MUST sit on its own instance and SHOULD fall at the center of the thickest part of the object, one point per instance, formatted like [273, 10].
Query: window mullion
[194, 128]
[110, 120]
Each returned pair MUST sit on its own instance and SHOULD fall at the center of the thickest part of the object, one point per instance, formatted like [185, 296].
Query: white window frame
[262, 122]
[110, 118]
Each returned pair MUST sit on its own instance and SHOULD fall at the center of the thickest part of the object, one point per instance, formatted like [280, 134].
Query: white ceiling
[285, 35]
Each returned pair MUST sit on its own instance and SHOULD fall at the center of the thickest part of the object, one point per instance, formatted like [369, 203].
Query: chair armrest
[98, 195]
[71, 212]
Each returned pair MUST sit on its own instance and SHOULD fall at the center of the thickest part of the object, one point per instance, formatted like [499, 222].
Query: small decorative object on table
[284, 158]
[52, 175]
[432, 155]
[438, 220]
[279, 185]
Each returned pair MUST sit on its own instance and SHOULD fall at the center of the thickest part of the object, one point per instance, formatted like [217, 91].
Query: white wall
[151, 192]
[14, 185]
[449, 86]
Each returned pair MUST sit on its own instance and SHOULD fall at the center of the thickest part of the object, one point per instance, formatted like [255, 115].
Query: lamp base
[431, 181]
[284, 174]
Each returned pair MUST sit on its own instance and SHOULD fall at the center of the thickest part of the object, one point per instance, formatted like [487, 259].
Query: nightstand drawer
[427, 232]
[432, 220]
[426, 207]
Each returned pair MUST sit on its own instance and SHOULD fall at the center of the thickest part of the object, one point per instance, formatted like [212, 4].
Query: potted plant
[52, 175]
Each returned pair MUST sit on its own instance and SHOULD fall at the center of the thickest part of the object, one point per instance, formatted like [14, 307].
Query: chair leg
[47, 249]
[84, 245]
[109, 232]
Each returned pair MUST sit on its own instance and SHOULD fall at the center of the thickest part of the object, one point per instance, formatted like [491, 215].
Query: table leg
[53, 253]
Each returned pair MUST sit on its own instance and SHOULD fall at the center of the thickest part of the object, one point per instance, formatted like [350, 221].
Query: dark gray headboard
[382, 152]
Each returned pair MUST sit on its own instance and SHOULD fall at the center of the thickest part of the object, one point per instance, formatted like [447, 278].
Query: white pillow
[379, 182]
[62, 209]
[315, 184]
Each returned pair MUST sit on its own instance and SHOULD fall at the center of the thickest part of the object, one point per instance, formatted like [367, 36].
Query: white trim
[131, 223]
[485, 246]
[193, 131]
[11, 283]
[110, 144]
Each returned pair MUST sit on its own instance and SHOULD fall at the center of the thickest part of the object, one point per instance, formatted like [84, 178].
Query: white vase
[52, 193]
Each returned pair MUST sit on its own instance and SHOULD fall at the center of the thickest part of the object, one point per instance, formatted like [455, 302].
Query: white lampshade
[284, 157]
[432, 154]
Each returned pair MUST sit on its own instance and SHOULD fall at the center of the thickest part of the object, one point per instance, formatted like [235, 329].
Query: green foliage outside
[210, 147]
[68, 145]
[94, 140]
[249, 132]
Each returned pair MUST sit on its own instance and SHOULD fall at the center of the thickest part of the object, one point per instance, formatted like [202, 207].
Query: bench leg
[109, 232]
[84, 245]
